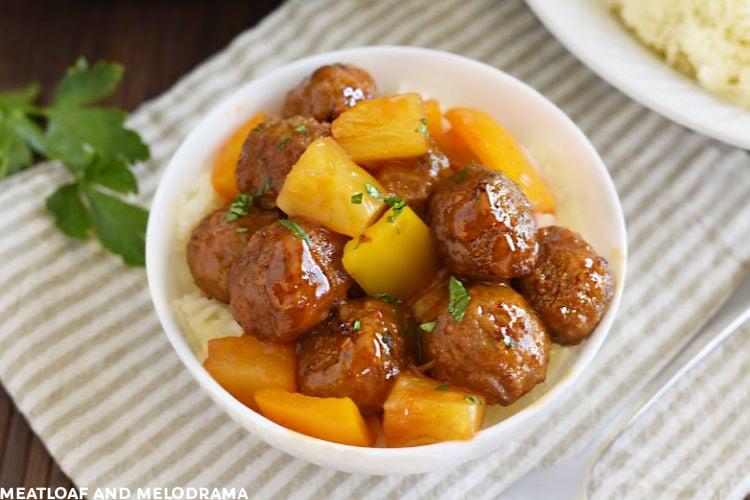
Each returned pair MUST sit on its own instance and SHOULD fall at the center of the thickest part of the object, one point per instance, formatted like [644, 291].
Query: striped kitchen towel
[84, 358]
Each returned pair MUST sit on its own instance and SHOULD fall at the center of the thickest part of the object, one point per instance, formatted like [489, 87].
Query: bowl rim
[488, 438]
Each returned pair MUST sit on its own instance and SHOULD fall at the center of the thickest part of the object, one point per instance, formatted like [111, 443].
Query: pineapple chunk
[420, 410]
[385, 128]
[396, 256]
[328, 187]
[245, 365]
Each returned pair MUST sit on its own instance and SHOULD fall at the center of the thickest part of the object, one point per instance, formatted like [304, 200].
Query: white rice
[201, 318]
[707, 39]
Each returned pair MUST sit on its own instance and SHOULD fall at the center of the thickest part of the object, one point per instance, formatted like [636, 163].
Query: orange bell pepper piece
[244, 365]
[474, 133]
[223, 177]
[332, 419]
[434, 115]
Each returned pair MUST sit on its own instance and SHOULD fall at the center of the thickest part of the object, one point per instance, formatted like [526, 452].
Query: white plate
[588, 30]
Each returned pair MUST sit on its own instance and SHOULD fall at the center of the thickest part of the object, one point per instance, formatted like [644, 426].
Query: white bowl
[587, 203]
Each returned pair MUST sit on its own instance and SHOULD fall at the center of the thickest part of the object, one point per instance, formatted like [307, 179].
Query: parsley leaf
[356, 325]
[356, 199]
[458, 299]
[240, 207]
[474, 400]
[443, 387]
[82, 138]
[71, 215]
[121, 227]
[296, 230]
[93, 144]
[387, 298]
[84, 85]
[397, 204]
[20, 137]
[284, 141]
[422, 128]
[428, 326]
[373, 191]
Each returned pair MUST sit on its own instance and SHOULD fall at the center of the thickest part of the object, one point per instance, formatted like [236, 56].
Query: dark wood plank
[16, 451]
[57, 477]
[157, 41]
[38, 463]
[6, 410]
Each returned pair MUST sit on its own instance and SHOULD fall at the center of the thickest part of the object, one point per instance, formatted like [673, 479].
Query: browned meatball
[269, 152]
[357, 354]
[484, 225]
[287, 279]
[329, 91]
[215, 244]
[499, 349]
[412, 180]
[570, 287]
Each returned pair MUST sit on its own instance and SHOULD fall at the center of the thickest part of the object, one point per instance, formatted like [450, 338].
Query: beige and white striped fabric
[84, 358]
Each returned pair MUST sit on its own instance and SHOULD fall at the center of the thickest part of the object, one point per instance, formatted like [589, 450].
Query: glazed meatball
[570, 287]
[329, 91]
[269, 152]
[357, 353]
[216, 242]
[412, 180]
[499, 349]
[484, 226]
[287, 279]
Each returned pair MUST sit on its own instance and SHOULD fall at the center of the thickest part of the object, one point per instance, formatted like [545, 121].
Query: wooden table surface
[157, 41]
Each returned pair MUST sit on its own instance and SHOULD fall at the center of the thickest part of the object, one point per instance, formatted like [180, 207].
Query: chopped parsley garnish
[422, 129]
[373, 191]
[458, 299]
[239, 207]
[284, 141]
[460, 176]
[264, 187]
[301, 128]
[388, 340]
[240, 229]
[94, 145]
[356, 325]
[387, 298]
[357, 199]
[397, 204]
[296, 230]
[429, 326]
[508, 340]
[442, 387]
[473, 399]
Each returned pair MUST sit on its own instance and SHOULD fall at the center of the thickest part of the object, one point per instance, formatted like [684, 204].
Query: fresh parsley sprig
[458, 299]
[93, 144]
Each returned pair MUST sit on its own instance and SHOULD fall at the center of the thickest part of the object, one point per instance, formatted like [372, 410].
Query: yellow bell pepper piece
[395, 256]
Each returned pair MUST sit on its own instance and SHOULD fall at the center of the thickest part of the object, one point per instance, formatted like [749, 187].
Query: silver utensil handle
[726, 319]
